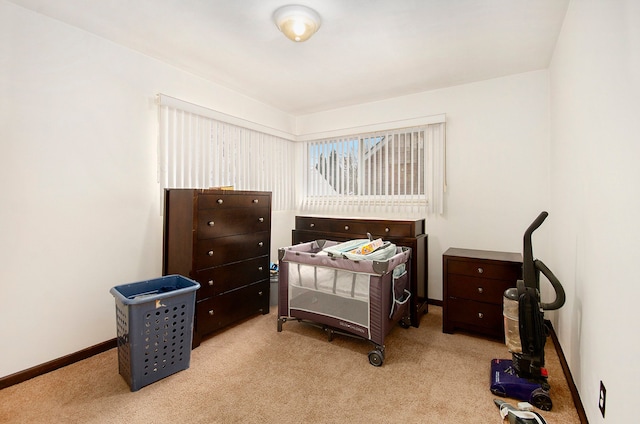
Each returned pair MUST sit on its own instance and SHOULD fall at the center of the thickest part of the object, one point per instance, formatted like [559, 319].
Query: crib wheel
[376, 358]
[405, 322]
[329, 334]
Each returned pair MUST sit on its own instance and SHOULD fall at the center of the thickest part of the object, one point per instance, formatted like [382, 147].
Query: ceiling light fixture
[297, 23]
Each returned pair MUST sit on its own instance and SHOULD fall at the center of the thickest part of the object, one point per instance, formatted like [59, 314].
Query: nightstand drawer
[467, 313]
[484, 269]
[478, 289]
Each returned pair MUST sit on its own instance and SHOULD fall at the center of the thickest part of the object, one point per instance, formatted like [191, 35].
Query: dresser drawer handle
[255, 200]
[480, 270]
[260, 293]
[346, 227]
[312, 225]
[210, 282]
[210, 253]
[260, 244]
[211, 223]
[220, 201]
[386, 230]
[480, 290]
[211, 312]
[261, 219]
[260, 268]
[480, 315]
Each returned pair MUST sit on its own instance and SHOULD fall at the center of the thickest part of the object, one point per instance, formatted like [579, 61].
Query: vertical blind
[401, 170]
[197, 151]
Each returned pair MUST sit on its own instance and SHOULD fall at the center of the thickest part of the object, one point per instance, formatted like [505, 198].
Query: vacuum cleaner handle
[528, 267]
[557, 287]
[536, 223]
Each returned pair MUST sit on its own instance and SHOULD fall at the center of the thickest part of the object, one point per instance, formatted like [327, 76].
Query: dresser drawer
[465, 313]
[303, 236]
[223, 200]
[220, 311]
[221, 250]
[478, 289]
[214, 281]
[358, 228]
[229, 221]
[484, 269]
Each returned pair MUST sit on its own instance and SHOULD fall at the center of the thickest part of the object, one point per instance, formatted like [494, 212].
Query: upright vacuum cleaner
[524, 377]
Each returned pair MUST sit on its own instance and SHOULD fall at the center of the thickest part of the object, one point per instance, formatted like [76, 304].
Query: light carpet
[250, 373]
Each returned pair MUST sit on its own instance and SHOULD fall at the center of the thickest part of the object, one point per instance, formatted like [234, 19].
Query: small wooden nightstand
[473, 284]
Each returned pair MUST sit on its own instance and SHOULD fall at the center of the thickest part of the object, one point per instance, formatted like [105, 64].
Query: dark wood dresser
[221, 239]
[473, 285]
[408, 233]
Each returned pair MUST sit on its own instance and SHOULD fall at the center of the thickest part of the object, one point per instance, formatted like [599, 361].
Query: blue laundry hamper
[155, 328]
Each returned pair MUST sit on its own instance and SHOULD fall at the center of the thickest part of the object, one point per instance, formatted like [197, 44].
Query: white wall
[595, 197]
[80, 204]
[497, 168]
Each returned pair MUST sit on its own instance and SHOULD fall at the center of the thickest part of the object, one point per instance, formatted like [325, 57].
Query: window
[397, 170]
[374, 170]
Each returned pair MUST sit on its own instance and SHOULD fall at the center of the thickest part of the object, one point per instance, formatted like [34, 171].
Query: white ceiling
[366, 50]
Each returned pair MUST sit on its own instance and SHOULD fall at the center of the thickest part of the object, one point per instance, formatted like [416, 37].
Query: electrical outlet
[603, 398]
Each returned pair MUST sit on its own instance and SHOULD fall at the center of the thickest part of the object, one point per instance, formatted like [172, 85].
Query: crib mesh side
[335, 293]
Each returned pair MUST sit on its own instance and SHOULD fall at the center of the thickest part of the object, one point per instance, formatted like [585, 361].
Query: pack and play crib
[354, 294]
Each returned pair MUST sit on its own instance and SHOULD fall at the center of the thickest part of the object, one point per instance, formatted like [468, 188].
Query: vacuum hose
[557, 287]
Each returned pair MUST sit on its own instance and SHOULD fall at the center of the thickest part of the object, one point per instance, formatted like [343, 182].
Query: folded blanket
[363, 250]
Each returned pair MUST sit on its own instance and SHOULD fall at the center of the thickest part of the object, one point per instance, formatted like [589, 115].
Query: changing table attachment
[320, 282]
